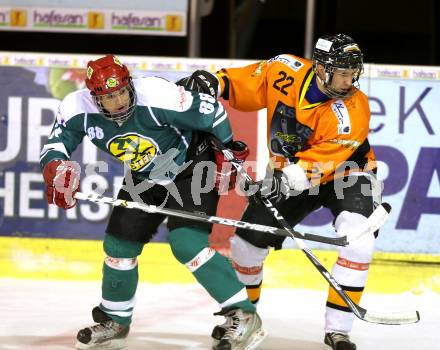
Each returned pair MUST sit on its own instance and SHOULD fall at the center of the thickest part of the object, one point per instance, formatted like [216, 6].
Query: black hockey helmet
[338, 52]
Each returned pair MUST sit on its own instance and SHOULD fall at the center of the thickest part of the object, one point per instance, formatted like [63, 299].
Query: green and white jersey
[163, 120]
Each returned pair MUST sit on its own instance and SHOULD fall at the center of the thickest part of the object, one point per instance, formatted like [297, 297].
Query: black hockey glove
[275, 188]
[200, 81]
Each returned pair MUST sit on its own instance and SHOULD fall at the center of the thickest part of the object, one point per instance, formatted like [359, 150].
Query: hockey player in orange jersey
[317, 128]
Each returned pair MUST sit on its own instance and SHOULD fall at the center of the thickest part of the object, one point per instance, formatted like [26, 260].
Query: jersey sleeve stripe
[85, 123]
[181, 136]
[219, 121]
[220, 111]
[59, 147]
[154, 117]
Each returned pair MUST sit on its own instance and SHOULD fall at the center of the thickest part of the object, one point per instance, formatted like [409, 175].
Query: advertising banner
[93, 20]
[404, 131]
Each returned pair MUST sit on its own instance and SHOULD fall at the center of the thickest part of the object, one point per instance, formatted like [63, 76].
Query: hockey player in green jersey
[159, 131]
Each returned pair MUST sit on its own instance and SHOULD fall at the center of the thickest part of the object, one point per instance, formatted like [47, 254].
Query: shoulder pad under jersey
[161, 93]
[75, 103]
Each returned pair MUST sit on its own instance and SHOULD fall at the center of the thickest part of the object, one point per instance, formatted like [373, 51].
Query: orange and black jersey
[317, 136]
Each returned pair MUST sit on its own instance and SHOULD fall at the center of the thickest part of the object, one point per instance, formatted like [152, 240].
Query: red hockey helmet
[106, 74]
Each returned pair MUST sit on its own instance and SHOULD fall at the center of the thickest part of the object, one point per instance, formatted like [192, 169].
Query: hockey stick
[202, 217]
[405, 317]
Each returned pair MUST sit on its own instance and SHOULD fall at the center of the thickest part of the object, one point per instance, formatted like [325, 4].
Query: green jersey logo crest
[136, 150]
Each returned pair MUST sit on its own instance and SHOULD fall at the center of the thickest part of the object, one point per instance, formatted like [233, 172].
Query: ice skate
[106, 334]
[339, 341]
[242, 331]
[219, 331]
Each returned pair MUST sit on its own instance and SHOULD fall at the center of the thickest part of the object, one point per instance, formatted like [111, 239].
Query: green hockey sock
[118, 293]
[120, 278]
[213, 271]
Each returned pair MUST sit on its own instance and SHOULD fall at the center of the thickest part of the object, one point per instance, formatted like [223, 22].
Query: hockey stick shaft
[202, 217]
[361, 313]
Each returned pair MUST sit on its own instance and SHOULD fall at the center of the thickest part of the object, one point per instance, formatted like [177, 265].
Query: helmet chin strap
[328, 78]
[322, 82]
[325, 84]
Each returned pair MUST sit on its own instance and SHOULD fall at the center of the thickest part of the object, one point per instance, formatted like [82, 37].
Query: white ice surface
[46, 315]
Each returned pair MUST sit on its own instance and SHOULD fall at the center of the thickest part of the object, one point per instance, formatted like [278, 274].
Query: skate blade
[256, 340]
[115, 344]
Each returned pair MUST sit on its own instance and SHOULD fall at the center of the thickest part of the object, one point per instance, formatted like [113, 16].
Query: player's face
[337, 82]
[117, 101]
[343, 79]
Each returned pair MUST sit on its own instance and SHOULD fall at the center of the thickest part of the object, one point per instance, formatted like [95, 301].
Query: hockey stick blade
[394, 318]
[373, 223]
[202, 217]
[389, 318]
[379, 216]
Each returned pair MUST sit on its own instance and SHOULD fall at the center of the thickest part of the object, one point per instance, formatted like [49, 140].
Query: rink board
[404, 132]
[41, 258]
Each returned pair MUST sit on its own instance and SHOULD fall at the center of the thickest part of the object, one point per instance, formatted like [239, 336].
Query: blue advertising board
[404, 132]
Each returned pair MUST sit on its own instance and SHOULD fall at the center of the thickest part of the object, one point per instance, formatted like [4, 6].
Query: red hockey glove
[226, 174]
[62, 179]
